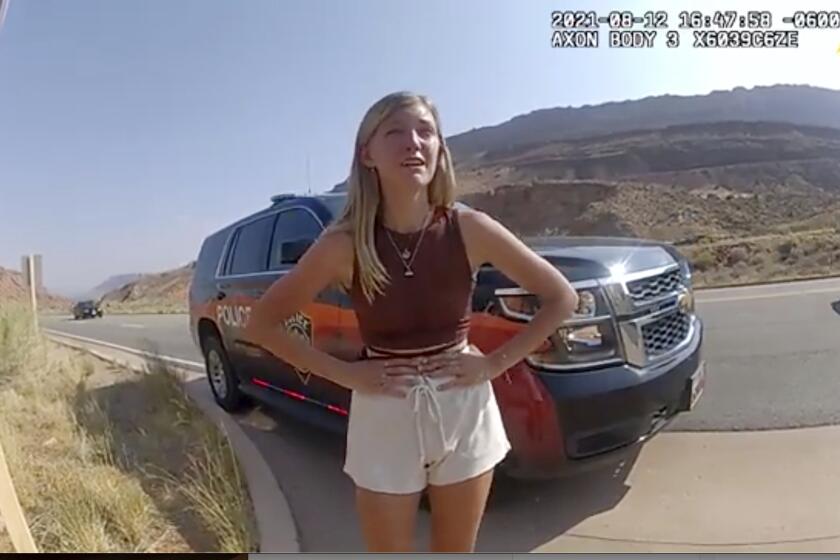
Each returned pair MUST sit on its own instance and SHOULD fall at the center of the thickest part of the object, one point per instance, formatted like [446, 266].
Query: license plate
[698, 384]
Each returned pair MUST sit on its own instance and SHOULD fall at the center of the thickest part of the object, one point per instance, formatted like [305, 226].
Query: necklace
[407, 254]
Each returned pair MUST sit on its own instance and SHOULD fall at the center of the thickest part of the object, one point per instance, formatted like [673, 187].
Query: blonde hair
[364, 195]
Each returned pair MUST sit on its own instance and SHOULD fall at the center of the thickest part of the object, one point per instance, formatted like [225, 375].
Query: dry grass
[209, 477]
[106, 460]
[216, 496]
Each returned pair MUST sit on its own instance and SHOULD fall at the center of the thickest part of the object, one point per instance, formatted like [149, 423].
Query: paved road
[774, 357]
[773, 353]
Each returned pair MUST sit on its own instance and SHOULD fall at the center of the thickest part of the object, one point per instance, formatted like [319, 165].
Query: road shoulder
[276, 526]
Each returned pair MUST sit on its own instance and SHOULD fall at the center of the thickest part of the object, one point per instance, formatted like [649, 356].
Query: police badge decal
[300, 325]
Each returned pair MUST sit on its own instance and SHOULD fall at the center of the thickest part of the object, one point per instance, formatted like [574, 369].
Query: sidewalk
[773, 491]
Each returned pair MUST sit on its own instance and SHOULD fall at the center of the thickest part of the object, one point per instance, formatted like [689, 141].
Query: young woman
[423, 415]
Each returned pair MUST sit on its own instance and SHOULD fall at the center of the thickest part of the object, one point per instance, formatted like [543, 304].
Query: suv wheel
[223, 382]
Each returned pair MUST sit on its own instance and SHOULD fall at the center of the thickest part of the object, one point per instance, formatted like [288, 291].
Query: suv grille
[665, 333]
[646, 289]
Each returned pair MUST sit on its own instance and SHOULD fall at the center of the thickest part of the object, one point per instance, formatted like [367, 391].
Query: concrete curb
[275, 523]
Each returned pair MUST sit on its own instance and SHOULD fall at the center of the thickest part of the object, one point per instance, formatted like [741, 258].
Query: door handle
[220, 295]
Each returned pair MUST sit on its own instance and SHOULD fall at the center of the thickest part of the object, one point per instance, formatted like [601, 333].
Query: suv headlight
[586, 338]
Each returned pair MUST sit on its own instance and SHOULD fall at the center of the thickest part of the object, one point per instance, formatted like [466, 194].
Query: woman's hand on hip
[392, 377]
[464, 369]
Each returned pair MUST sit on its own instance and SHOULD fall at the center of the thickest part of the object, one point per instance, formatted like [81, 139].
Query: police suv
[615, 374]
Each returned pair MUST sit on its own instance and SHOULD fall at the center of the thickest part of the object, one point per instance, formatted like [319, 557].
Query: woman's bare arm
[489, 241]
[326, 261]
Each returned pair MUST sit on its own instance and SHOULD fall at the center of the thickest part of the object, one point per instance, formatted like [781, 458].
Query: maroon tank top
[429, 309]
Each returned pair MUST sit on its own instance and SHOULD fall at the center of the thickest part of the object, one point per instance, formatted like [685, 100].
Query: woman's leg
[387, 520]
[457, 510]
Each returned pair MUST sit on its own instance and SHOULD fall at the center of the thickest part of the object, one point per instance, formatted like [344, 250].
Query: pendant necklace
[407, 256]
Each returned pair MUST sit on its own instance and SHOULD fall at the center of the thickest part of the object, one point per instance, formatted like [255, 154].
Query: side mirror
[292, 251]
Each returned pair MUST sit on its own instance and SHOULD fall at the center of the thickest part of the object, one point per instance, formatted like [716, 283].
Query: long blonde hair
[364, 195]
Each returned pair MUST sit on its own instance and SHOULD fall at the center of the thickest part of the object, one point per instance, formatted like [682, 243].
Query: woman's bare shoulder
[341, 250]
[474, 225]
[341, 237]
[469, 215]
[480, 224]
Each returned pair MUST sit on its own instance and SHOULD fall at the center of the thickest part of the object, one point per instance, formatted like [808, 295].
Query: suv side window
[292, 226]
[250, 251]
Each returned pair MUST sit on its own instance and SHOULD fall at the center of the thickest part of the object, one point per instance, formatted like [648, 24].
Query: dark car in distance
[608, 380]
[86, 308]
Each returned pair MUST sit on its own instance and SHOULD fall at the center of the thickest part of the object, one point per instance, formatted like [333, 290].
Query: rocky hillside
[13, 290]
[152, 293]
[803, 105]
[746, 201]
[677, 184]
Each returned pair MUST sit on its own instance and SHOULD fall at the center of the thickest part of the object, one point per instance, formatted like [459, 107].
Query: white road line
[767, 296]
[132, 326]
[178, 361]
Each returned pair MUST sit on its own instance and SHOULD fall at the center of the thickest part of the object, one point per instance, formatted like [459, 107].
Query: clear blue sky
[130, 129]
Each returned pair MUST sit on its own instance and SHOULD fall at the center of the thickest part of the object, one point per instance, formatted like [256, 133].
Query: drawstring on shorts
[458, 434]
[417, 394]
[422, 393]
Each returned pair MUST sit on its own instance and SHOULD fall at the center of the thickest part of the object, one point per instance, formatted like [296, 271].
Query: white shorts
[400, 446]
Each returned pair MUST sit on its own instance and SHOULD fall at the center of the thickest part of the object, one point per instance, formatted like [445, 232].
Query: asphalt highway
[772, 352]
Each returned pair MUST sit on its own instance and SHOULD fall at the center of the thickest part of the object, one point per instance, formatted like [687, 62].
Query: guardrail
[175, 362]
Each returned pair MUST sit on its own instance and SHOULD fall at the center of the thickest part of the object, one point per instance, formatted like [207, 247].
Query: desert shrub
[704, 259]
[736, 255]
[788, 250]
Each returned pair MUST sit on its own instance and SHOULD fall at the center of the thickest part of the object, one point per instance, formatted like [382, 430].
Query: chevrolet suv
[614, 375]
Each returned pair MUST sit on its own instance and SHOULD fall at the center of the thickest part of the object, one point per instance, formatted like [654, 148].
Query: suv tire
[220, 375]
